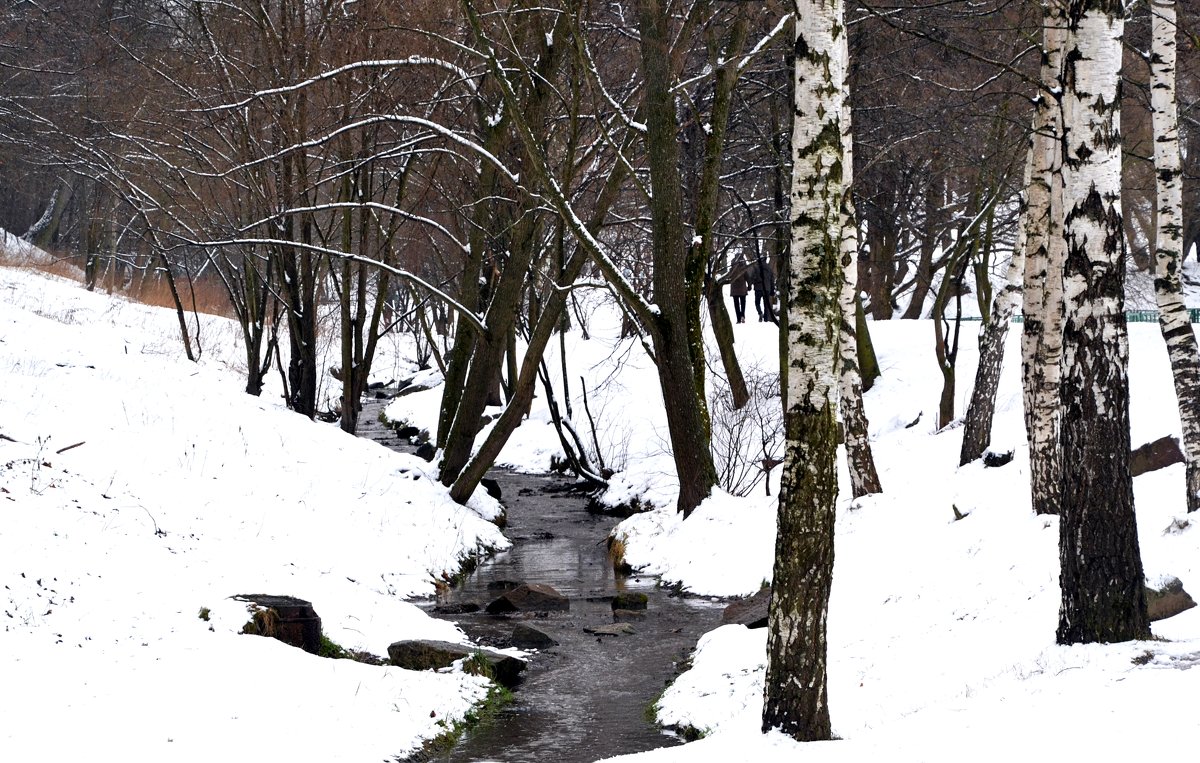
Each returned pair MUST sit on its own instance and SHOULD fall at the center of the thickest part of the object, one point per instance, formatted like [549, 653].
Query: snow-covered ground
[941, 632]
[180, 492]
[185, 492]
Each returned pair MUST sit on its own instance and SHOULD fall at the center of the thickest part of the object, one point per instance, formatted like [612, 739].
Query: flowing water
[588, 697]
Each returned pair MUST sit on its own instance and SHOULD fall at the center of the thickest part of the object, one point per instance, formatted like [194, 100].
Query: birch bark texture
[796, 697]
[1041, 336]
[860, 461]
[1173, 316]
[977, 427]
[1103, 598]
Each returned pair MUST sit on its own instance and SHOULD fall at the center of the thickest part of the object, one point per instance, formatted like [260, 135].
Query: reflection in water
[588, 697]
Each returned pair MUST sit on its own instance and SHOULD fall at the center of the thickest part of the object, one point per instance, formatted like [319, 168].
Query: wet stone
[434, 655]
[530, 597]
[616, 629]
[492, 487]
[528, 637]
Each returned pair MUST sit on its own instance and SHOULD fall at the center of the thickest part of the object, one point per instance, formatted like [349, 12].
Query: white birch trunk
[1041, 338]
[864, 477]
[1103, 598]
[796, 697]
[1173, 316]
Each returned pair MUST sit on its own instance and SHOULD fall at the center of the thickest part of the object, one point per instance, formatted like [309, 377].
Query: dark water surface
[588, 697]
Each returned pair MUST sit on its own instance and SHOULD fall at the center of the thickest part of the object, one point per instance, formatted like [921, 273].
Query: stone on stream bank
[433, 655]
[529, 597]
[751, 612]
[286, 618]
[527, 637]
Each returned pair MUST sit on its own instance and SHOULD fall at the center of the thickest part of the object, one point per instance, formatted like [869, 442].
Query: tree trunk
[864, 477]
[935, 200]
[523, 384]
[1103, 597]
[1173, 316]
[796, 696]
[946, 336]
[678, 273]
[868, 362]
[706, 207]
[977, 429]
[1041, 337]
[723, 331]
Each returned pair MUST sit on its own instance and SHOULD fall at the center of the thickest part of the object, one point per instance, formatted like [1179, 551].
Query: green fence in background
[1132, 316]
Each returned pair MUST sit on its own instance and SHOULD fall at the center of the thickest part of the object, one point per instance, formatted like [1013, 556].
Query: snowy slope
[180, 492]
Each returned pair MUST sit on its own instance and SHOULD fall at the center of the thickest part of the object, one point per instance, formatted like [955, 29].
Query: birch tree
[1041, 336]
[864, 477]
[796, 696]
[1103, 598]
[1173, 316]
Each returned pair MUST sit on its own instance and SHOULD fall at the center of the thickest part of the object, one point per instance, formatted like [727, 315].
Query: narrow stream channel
[588, 697]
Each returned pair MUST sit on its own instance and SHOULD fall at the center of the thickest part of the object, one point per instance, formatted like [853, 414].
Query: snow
[181, 493]
[186, 492]
[941, 632]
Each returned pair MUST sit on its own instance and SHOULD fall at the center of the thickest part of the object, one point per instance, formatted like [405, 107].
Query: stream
[588, 697]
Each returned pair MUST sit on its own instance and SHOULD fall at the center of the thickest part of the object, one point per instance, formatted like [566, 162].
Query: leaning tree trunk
[706, 207]
[1103, 598]
[1173, 316]
[1041, 337]
[678, 273]
[796, 695]
[864, 477]
[977, 428]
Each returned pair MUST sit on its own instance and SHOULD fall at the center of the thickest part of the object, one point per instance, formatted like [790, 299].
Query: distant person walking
[762, 276]
[739, 287]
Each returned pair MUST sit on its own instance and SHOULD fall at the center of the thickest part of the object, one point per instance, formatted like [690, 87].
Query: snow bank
[941, 632]
[139, 491]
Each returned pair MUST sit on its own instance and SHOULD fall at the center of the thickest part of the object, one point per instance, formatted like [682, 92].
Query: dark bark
[930, 238]
[868, 363]
[723, 331]
[706, 211]
[802, 579]
[1103, 597]
[678, 273]
[977, 428]
[523, 385]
